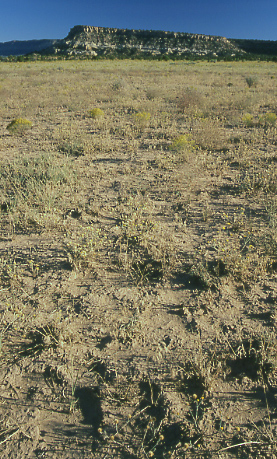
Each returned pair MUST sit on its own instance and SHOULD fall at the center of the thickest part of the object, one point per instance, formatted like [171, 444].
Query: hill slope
[19, 48]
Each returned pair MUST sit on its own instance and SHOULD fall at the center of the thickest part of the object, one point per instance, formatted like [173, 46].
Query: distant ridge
[91, 42]
[19, 48]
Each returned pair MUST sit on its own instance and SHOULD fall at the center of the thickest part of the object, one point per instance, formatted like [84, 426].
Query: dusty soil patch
[137, 267]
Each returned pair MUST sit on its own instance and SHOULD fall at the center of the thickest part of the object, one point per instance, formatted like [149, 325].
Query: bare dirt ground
[138, 260]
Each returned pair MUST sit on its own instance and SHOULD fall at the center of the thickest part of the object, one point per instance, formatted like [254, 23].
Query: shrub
[182, 143]
[251, 81]
[96, 113]
[248, 120]
[209, 134]
[268, 119]
[145, 116]
[19, 125]
[118, 85]
[190, 99]
[142, 118]
[153, 93]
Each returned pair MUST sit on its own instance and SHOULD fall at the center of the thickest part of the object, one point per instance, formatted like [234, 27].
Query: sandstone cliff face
[111, 42]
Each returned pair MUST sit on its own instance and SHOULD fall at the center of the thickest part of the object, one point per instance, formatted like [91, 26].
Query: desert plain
[138, 259]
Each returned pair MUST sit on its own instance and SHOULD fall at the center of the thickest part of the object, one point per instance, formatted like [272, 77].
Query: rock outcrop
[111, 42]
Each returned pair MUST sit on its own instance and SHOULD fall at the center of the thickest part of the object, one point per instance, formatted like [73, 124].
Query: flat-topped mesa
[91, 30]
[84, 40]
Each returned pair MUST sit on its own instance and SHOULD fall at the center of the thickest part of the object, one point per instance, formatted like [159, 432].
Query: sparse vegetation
[138, 260]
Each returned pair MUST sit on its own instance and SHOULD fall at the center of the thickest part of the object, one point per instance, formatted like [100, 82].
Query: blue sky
[35, 19]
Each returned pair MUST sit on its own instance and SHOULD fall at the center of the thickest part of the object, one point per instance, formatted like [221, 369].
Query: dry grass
[138, 259]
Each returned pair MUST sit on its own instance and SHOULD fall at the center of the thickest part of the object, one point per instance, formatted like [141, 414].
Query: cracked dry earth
[110, 357]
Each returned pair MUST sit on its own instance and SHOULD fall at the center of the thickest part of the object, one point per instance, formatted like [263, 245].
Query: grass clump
[19, 125]
[248, 120]
[269, 119]
[31, 187]
[72, 148]
[142, 119]
[82, 247]
[96, 113]
[143, 249]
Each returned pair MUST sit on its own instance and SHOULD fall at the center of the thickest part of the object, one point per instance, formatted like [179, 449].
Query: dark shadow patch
[31, 392]
[100, 367]
[109, 160]
[152, 401]
[90, 405]
[5, 207]
[104, 342]
[228, 189]
[186, 281]
[41, 339]
[201, 275]
[244, 366]
[191, 380]
[173, 434]
[149, 269]
[272, 297]
[66, 265]
[73, 213]
[53, 377]
[77, 305]
[249, 361]
[266, 317]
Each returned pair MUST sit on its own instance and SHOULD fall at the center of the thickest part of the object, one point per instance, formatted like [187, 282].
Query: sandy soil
[138, 304]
